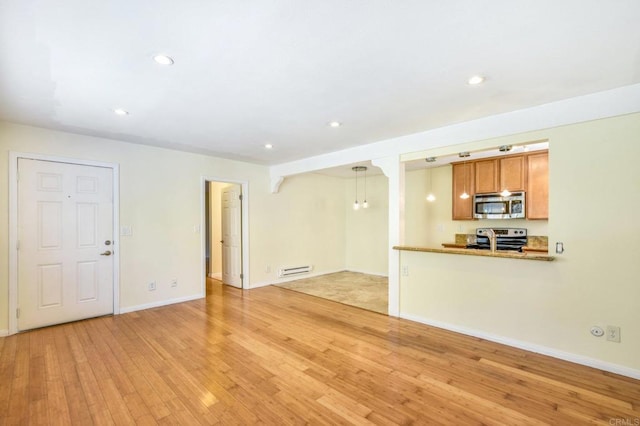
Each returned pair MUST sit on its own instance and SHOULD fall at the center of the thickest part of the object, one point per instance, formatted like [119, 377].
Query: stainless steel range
[506, 239]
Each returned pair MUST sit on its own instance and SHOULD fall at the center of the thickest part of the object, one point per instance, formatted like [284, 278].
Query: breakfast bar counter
[474, 252]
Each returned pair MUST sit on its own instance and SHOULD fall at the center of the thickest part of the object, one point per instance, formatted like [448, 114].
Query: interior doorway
[225, 213]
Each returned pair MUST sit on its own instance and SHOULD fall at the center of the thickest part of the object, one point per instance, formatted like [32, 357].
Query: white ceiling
[248, 72]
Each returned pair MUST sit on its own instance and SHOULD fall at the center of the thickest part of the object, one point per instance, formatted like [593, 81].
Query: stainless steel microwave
[497, 206]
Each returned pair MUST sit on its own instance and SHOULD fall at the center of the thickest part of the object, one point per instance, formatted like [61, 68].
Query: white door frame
[13, 226]
[244, 227]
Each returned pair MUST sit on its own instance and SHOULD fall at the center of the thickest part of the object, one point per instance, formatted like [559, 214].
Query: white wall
[367, 235]
[594, 204]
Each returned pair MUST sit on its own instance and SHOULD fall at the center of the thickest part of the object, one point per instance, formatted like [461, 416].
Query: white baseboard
[294, 278]
[216, 275]
[531, 347]
[160, 303]
[377, 274]
[4, 333]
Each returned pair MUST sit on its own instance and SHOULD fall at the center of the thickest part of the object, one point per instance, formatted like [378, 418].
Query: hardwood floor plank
[18, 407]
[7, 363]
[273, 356]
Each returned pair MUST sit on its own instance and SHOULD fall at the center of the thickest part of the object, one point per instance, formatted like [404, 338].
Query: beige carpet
[351, 288]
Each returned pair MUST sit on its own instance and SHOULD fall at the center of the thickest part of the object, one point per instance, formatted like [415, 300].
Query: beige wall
[318, 225]
[303, 224]
[367, 235]
[594, 205]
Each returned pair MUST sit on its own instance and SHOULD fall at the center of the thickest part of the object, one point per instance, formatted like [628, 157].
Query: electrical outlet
[152, 286]
[405, 270]
[267, 269]
[174, 283]
[613, 333]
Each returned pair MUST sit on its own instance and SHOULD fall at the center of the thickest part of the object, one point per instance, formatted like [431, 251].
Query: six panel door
[65, 234]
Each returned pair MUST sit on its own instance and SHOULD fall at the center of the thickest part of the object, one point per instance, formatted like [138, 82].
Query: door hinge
[18, 313]
[240, 197]
[241, 276]
[18, 245]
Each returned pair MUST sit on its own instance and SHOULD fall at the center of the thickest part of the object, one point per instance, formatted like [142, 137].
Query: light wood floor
[274, 356]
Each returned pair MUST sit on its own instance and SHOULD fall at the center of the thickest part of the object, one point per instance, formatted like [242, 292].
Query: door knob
[106, 253]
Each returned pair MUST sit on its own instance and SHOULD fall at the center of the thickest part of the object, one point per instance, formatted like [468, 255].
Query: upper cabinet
[486, 176]
[463, 181]
[499, 174]
[518, 172]
[512, 173]
[537, 202]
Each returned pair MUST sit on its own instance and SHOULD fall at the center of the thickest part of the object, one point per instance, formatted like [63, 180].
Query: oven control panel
[503, 232]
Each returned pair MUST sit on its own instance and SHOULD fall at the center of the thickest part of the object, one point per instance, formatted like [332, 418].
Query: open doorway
[224, 233]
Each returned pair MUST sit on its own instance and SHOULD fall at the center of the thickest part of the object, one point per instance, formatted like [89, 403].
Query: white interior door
[65, 240]
[231, 223]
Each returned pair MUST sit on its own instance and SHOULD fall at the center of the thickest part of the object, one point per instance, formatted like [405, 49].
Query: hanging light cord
[365, 187]
[356, 185]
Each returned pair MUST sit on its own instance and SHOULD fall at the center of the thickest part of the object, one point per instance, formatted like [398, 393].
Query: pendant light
[464, 155]
[356, 204]
[430, 197]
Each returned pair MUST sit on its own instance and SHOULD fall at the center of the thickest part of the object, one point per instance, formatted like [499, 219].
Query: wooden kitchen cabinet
[537, 201]
[486, 176]
[500, 173]
[463, 180]
[516, 172]
[512, 173]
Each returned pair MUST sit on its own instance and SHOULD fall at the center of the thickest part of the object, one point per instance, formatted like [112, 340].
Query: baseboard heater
[296, 270]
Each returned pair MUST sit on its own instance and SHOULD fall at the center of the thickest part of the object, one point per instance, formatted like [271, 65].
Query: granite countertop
[474, 252]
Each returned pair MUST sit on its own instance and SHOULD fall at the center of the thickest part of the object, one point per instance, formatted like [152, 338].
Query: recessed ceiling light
[476, 79]
[335, 124]
[268, 146]
[120, 111]
[163, 60]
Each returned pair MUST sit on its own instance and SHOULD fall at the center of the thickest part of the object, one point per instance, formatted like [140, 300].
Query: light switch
[126, 231]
